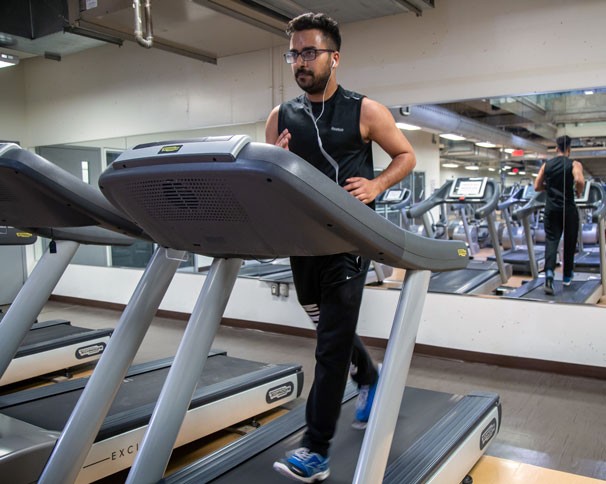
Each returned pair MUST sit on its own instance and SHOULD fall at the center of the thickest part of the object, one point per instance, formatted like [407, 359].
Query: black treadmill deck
[50, 407]
[424, 415]
[577, 293]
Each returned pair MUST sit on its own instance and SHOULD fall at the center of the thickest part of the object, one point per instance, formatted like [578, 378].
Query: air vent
[5, 194]
[188, 199]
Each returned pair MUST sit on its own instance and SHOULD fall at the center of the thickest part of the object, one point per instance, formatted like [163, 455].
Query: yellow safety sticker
[462, 252]
[24, 235]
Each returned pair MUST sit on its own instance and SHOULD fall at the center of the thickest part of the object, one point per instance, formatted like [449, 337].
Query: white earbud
[334, 63]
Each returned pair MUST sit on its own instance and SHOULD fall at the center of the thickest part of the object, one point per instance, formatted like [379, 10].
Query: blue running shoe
[363, 405]
[567, 280]
[303, 466]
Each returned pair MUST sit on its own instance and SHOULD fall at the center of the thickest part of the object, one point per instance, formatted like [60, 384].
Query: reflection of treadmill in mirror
[585, 287]
[589, 259]
[391, 202]
[479, 277]
[433, 433]
[38, 193]
[518, 256]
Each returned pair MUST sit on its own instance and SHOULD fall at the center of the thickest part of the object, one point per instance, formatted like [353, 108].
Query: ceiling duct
[270, 16]
[440, 120]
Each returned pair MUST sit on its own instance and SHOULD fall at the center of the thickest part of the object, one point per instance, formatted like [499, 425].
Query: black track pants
[333, 285]
[557, 222]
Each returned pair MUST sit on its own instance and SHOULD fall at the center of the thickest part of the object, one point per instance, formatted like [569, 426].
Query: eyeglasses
[306, 55]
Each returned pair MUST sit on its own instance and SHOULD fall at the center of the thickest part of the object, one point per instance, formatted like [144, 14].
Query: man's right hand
[283, 139]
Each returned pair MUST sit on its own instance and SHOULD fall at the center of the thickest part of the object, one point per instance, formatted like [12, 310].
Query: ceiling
[529, 124]
[210, 29]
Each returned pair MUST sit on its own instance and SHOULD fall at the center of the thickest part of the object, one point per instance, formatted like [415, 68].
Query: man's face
[311, 76]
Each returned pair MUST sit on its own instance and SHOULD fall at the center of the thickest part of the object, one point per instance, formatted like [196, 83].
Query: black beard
[315, 85]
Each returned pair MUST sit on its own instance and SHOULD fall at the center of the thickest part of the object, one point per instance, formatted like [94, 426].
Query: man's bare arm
[378, 125]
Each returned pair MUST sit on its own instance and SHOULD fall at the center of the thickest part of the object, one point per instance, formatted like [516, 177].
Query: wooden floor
[553, 425]
[491, 470]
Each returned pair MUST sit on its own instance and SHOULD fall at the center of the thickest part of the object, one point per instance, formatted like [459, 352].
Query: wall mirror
[505, 138]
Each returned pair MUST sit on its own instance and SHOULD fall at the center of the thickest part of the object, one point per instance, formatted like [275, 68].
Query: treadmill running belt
[141, 390]
[421, 412]
[40, 335]
[460, 281]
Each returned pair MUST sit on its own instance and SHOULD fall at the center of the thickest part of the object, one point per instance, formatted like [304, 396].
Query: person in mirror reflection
[561, 178]
[333, 129]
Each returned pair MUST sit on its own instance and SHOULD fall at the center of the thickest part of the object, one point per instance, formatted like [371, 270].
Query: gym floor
[553, 425]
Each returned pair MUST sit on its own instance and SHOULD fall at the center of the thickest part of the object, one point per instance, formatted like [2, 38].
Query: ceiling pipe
[440, 120]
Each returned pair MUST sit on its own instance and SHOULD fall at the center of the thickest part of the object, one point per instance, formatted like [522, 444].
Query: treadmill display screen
[393, 195]
[529, 192]
[463, 188]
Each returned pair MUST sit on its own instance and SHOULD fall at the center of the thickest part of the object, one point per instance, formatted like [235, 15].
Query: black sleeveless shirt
[339, 128]
[560, 183]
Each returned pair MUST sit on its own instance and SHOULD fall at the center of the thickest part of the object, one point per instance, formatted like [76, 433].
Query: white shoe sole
[283, 469]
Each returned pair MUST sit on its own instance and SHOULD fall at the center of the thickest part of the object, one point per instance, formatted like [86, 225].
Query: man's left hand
[363, 189]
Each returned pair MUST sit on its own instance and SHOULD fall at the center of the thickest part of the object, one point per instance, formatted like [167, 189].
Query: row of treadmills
[491, 276]
[216, 197]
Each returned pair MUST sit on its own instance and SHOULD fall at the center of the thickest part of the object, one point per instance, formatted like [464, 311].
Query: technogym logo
[88, 351]
[488, 433]
[278, 393]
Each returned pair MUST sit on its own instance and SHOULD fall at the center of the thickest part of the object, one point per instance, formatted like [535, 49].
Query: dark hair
[563, 143]
[319, 21]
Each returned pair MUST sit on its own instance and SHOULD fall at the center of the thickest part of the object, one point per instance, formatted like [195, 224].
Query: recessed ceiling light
[407, 127]
[8, 60]
[486, 144]
[472, 167]
[450, 165]
[453, 137]
[509, 150]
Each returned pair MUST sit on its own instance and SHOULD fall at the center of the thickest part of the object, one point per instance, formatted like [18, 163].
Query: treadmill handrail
[491, 202]
[84, 201]
[536, 203]
[436, 198]
[245, 190]
[513, 199]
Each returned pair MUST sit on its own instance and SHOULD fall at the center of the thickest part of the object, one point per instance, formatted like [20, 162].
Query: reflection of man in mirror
[561, 177]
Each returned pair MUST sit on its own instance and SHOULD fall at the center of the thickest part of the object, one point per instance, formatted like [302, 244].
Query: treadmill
[591, 259]
[37, 194]
[519, 257]
[478, 277]
[316, 218]
[585, 287]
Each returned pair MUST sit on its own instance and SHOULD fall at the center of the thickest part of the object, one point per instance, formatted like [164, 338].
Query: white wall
[461, 49]
[12, 103]
[487, 325]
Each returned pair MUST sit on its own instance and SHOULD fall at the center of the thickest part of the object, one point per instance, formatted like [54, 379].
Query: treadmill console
[468, 189]
[529, 192]
[393, 195]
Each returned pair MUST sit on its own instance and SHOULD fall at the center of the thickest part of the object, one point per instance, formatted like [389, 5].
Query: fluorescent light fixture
[589, 92]
[509, 150]
[8, 60]
[521, 173]
[450, 165]
[407, 127]
[535, 174]
[486, 144]
[490, 168]
[472, 167]
[453, 137]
